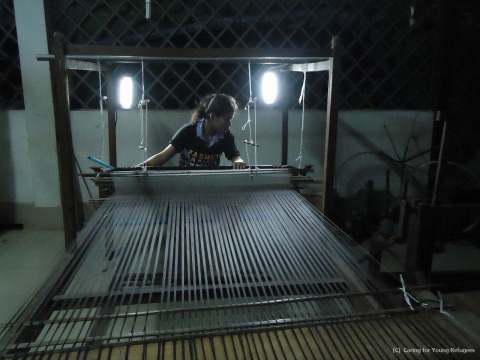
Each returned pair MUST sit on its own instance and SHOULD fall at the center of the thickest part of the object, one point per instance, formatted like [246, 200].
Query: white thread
[446, 313]
[140, 108]
[142, 140]
[302, 90]
[249, 103]
[100, 86]
[405, 293]
[249, 125]
[247, 150]
[249, 121]
[255, 132]
[248, 154]
[249, 81]
[148, 9]
[302, 99]
[143, 120]
[103, 150]
[146, 127]
[440, 298]
[408, 296]
[442, 308]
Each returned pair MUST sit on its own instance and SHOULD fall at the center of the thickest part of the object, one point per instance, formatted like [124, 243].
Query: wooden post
[330, 136]
[421, 246]
[285, 136]
[443, 41]
[64, 141]
[112, 115]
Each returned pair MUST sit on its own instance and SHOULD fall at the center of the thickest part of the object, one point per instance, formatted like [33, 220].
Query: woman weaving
[202, 141]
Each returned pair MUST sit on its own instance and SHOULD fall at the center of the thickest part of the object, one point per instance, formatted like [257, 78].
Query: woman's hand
[159, 159]
[238, 163]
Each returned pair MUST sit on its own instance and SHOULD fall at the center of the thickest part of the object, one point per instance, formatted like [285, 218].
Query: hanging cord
[249, 120]
[250, 80]
[247, 152]
[449, 314]
[100, 102]
[452, 318]
[405, 293]
[100, 86]
[140, 107]
[143, 107]
[103, 150]
[302, 100]
[408, 296]
[250, 140]
[148, 9]
[250, 100]
[442, 309]
[145, 154]
[255, 132]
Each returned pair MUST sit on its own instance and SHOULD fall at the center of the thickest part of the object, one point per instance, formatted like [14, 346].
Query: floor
[26, 259]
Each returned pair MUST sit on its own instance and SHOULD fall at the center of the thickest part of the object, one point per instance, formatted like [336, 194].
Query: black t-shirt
[195, 152]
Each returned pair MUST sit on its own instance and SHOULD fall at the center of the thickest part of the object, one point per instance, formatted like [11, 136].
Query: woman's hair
[214, 104]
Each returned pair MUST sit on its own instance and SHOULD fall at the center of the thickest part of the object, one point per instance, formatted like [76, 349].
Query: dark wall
[458, 98]
[11, 94]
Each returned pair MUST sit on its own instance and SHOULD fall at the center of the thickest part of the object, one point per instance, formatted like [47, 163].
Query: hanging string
[301, 99]
[442, 307]
[405, 293]
[249, 120]
[140, 107]
[143, 82]
[250, 80]
[408, 296]
[100, 86]
[255, 132]
[450, 315]
[143, 107]
[103, 149]
[248, 153]
[145, 153]
[250, 100]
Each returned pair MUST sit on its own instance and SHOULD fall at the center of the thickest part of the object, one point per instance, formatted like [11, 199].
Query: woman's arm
[232, 153]
[161, 158]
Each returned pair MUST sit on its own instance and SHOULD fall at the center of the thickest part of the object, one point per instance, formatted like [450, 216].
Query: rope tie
[301, 100]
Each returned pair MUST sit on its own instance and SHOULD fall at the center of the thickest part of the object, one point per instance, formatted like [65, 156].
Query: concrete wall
[19, 179]
[30, 194]
[15, 169]
[359, 131]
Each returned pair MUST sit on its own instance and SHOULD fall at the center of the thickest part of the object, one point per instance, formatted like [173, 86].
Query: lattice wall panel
[11, 93]
[385, 59]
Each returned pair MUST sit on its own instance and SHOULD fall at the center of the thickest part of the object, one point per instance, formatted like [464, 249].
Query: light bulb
[269, 87]
[125, 92]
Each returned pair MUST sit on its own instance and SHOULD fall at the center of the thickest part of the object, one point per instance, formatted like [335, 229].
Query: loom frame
[67, 57]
